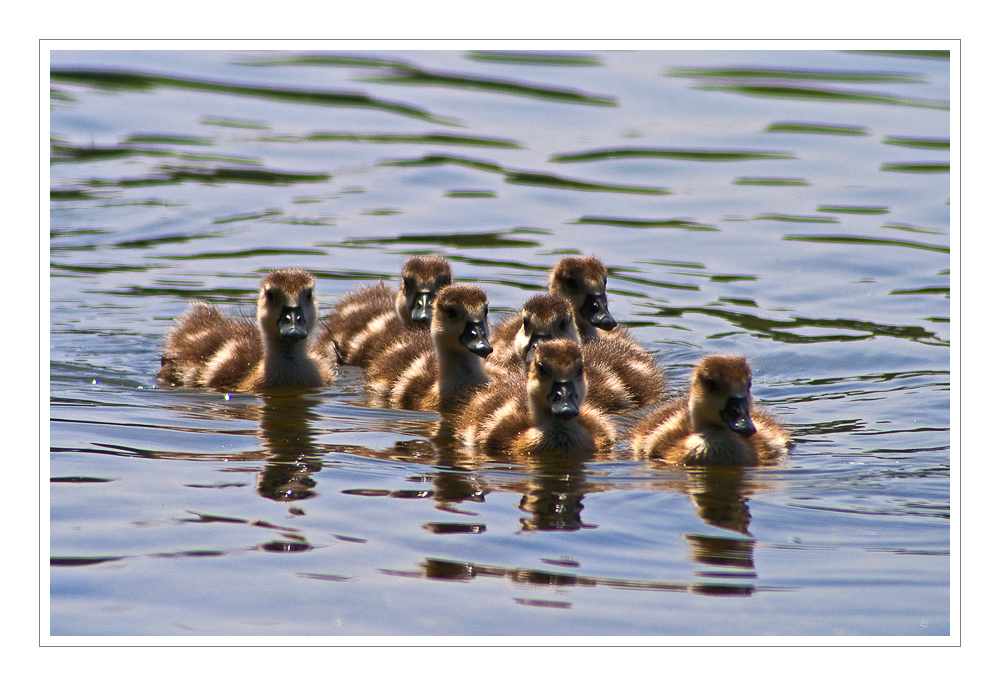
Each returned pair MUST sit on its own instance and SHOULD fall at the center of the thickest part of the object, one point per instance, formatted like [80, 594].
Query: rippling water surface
[789, 206]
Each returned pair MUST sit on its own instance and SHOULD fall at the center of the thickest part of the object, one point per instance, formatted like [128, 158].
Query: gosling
[541, 412]
[207, 349]
[363, 321]
[715, 424]
[439, 369]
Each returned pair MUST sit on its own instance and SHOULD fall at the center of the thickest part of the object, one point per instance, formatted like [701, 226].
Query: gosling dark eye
[711, 385]
[307, 294]
[570, 283]
[268, 295]
[409, 284]
[451, 312]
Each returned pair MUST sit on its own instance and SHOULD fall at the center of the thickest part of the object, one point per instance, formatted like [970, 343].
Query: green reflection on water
[798, 218]
[527, 178]
[932, 143]
[62, 152]
[547, 59]
[416, 76]
[245, 217]
[108, 269]
[428, 139]
[493, 239]
[779, 330]
[796, 75]
[681, 265]
[827, 94]
[647, 223]
[58, 233]
[921, 54]
[744, 302]
[124, 80]
[852, 209]
[234, 123]
[858, 240]
[829, 129]
[68, 194]
[164, 240]
[241, 253]
[768, 181]
[470, 194]
[70, 153]
[319, 59]
[728, 278]
[943, 290]
[175, 140]
[553, 181]
[917, 167]
[405, 73]
[914, 229]
[673, 154]
[167, 175]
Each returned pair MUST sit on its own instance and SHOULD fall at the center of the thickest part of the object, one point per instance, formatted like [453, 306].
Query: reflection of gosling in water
[436, 370]
[363, 321]
[715, 424]
[209, 350]
[541, 412]
[620, 376]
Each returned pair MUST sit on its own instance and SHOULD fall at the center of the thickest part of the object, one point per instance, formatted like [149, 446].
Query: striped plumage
[439, 369]
[715, 424]
[541, 411]
[620, 375]
[364, 321]
[207, 349]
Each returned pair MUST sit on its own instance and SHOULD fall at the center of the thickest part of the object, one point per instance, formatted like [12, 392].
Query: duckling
[541, 412]
[583, 281]
[206, 349]
[542, 317]
[716, 424]
[436, 370]
[620, 375]
[364, 320]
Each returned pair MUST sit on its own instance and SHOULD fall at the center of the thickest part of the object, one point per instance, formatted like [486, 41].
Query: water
[789, 206]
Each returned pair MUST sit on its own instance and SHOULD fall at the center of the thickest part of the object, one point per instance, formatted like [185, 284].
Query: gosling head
[584, 280]
[556, 384]
[720, 395]
[286, 305]
[422, 278]
[460, 320]
[544, 317]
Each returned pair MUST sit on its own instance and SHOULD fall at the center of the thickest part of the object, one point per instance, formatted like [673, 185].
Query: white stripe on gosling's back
[419, 367]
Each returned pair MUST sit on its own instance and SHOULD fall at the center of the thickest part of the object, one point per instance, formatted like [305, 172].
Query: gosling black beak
[737, 415]
[292, 324]
[474, 338]
[595, 309]
[563, 401]
[421, 312]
